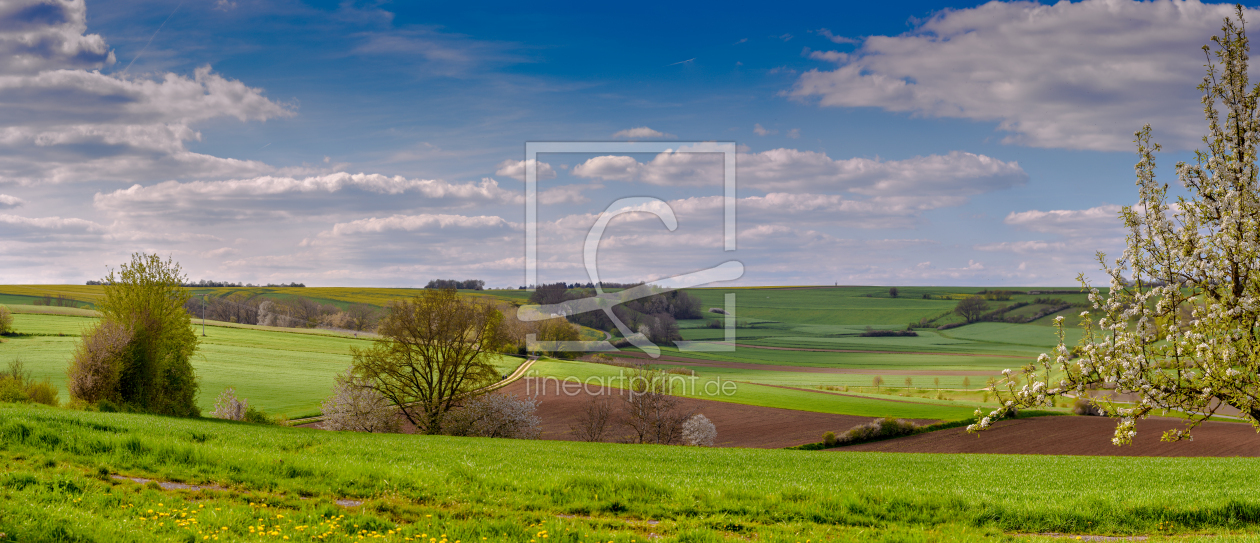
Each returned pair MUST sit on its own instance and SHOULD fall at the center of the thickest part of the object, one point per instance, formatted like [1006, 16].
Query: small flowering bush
[357, 407]
[229, 407]
[1182, 333]
[699, 431]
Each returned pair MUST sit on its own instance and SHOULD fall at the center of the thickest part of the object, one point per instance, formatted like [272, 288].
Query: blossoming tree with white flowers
[1183, 334]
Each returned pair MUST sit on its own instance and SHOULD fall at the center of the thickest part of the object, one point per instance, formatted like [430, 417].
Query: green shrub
[12, 391]
[6, 321]
[257, 415]
[829, 440]
[876, 429]
[43, 392]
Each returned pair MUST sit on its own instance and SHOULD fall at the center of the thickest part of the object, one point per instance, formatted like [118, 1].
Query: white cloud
[794, 133]
[921, 182]
[516, 169]
[221, 252]
[834, 38]
[74, 125]
[828, 56]
[37, 35]
[238, 198]
[1098, 221]
[7, 201]
[65, 121]
[670, 168]
[761, 131]
[641, 132]
[10, 224]
[425, 222]
[1077, 75]
[1024, 247]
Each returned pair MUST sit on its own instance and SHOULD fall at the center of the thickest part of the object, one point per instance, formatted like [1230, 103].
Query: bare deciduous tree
[361, 317]
[651, 410]
[357, 407]
[97, 364]
[594, 421]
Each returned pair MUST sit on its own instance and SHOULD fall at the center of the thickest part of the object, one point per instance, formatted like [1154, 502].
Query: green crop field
[272, 483]
[283, 371]
[708, 387]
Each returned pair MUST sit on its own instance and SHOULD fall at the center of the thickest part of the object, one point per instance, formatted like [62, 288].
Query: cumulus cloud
[761, 130]
[200, 200]
[516, 169]
[1076, 75]
[1024, 247]
[37, 35]
[642, 132]
[1096, 221]
[75, 125]
[65, 121]
[671, 168]
[922, 182]
[7, 201]
[425, 222]
[11, 225]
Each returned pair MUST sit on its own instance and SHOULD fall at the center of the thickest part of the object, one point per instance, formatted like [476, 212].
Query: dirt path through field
[1069, 435]
[644, 358]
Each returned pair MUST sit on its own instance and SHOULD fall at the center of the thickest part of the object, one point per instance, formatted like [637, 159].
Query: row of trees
[469, 284]
[291, 312]
[655, 316]
[647, 412]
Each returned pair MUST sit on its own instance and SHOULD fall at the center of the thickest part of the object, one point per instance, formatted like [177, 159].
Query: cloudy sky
[382, 144]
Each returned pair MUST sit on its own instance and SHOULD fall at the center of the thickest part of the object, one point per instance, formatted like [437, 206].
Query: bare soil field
[737, 425]
[1081, 436]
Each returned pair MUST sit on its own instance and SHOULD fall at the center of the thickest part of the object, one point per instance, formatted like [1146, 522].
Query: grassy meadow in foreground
[276, 482]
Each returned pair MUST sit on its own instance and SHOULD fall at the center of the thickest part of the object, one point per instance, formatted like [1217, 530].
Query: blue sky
[378, 144]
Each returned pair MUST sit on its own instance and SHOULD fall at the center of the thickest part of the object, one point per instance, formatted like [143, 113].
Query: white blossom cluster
[229, 407]
[699, 431]
[1183, 334]
[357, 407]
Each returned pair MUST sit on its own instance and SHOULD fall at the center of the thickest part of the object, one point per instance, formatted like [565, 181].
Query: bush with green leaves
[6, 321]
[17, 385]
[139, 355]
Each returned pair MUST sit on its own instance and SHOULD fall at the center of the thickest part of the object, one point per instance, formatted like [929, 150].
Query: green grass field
[277, 482]
[284, 371]
[709, 387]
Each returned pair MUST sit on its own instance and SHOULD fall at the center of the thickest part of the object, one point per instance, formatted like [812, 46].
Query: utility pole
[203, 315]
